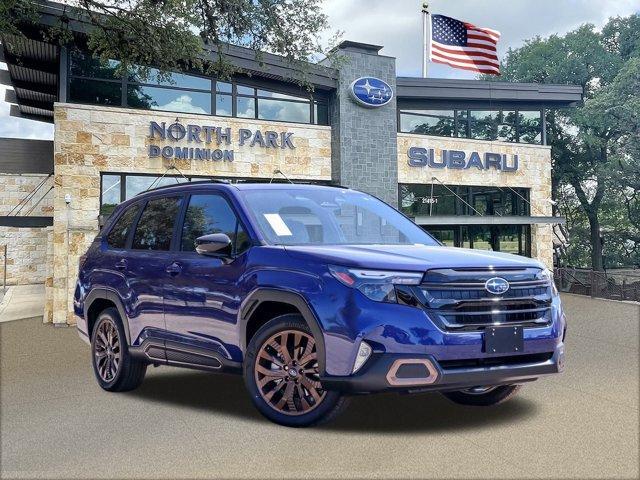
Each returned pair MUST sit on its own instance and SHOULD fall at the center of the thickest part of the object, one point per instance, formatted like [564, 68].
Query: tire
[124, 372]
[492, 396]
[279, 386]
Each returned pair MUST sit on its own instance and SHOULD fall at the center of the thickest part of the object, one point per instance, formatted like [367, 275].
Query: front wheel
[483, 396]
[282, 375]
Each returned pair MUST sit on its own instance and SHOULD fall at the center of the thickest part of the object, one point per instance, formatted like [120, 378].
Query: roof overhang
[32, 71]
[25, 221]
[469, 93]
[486, 220]
[21, 155]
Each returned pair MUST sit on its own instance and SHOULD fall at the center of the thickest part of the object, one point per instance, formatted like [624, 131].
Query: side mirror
[214, 244]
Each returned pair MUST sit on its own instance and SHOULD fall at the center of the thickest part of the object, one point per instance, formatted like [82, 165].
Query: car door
[144, 267]
[201, 296]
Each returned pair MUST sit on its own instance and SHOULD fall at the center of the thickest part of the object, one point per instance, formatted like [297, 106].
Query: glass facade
[118, 187]
[420, 200]
[524, 126]
[95, 82]
[514, 239]
[462, 200]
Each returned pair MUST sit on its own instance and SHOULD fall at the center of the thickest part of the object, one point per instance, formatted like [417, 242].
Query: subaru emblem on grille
[496, 285]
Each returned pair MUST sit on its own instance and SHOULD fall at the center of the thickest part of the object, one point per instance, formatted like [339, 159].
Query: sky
[397, 25]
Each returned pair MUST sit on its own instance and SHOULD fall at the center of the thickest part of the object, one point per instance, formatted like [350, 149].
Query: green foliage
[16, 12]
[172, 35]
[595, 147]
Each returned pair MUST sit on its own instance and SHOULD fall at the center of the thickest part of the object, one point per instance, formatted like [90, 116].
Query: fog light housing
[364, 352]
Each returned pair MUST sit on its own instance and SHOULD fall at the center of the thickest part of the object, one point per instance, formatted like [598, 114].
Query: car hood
[407, 257]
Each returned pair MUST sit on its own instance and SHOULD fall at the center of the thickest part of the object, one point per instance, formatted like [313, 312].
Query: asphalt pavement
[55, 422]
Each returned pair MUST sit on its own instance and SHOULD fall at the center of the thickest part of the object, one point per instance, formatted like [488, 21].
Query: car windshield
[330, 216]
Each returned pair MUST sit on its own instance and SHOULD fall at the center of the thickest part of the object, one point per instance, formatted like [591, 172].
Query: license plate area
[504, 339]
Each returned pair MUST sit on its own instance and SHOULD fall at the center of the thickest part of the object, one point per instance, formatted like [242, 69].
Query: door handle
[174, 269]
[121, 264]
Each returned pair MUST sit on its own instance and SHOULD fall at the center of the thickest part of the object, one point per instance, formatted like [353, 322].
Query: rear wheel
[114, 368]
[281, 373]
[483, 396]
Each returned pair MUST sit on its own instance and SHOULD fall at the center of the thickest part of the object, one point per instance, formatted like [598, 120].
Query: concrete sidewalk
[22, 302]
[55, 422]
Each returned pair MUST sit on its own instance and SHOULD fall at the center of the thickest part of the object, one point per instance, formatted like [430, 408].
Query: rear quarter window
[117, 236]
[155, 227]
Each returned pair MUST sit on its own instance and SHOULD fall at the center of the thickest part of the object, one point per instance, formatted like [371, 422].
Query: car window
[207, 214]
[155, 227]
[315, 215]
[117, 237]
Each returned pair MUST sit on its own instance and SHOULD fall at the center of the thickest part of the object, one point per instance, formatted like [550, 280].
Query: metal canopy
[33, 73]
[468, 93]
[21, 155]
[486, 220]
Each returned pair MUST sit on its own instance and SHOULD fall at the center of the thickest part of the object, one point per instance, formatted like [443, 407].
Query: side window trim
[231, 207]
[134, 226]
[176, 238]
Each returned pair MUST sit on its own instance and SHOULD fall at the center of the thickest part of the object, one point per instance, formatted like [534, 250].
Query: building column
[542, 243]
[364, 140]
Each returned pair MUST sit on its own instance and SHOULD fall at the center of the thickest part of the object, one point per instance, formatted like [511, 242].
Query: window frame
[190, 178]
[465, 126]
[469, 194]
[311, 100]
[239, 222]
[169, 88]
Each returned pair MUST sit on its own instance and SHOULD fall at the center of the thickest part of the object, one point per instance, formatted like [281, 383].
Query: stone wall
[534, 172]
[89, 140]
[26, 247]
[364, 139]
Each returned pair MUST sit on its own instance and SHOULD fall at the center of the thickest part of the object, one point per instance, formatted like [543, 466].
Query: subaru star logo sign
[371, 92]
[496, 285]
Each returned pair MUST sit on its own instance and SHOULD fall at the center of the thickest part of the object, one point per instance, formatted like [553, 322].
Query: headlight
[546, 274]
[378, 285]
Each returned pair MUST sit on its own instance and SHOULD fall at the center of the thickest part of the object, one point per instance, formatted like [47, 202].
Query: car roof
[219, 184]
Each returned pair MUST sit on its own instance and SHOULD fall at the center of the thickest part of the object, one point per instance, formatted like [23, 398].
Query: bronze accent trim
[392, 379]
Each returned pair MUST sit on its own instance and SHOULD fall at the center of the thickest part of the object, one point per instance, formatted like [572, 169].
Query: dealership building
[467, 160]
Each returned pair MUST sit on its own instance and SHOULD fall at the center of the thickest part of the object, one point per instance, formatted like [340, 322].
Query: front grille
[463, 294]
[458, 300]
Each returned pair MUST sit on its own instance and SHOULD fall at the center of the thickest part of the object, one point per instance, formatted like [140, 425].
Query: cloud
[398, 25]
[183, 103]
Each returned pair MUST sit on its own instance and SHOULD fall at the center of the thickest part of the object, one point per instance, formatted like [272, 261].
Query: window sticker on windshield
[278, 225]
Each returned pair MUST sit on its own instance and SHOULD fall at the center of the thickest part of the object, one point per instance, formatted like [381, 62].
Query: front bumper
[419, 373]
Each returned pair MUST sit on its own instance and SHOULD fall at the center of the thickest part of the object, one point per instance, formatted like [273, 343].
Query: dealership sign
[371, 92]
[223, 137]
[457, 159]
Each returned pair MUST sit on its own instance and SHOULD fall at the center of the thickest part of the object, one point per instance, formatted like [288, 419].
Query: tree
[172, 35]
[594, 146]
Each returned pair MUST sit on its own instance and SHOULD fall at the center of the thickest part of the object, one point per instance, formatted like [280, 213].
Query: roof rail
[197, 182]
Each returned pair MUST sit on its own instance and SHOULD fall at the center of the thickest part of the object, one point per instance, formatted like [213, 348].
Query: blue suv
[313, 294]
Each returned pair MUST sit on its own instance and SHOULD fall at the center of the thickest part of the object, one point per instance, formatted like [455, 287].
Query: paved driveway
[56, 422]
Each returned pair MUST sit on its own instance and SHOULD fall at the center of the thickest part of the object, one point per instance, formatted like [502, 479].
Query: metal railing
[615, 285]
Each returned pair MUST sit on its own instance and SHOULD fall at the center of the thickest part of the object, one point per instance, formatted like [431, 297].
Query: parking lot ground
[55, 422]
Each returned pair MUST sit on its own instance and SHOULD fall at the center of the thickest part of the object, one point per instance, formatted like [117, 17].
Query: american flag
[463, 45]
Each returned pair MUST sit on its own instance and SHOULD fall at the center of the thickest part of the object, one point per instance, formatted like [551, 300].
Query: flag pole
[426, 37]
